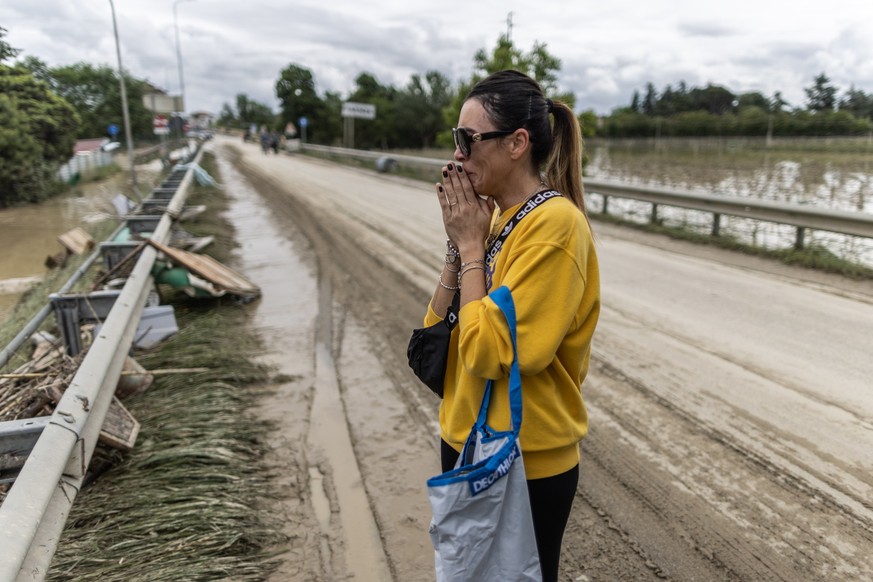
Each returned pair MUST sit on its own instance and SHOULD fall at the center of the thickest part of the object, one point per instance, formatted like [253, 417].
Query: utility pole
[509, 27]
[130, 160]
[179, 53]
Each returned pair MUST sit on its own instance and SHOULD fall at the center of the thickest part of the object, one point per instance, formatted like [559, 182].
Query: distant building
[89, 146]
[201, 120]
[158, 101]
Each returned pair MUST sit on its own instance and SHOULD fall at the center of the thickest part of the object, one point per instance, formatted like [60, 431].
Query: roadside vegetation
[191, 501]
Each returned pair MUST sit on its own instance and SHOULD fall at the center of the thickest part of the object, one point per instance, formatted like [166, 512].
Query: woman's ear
[519, 143]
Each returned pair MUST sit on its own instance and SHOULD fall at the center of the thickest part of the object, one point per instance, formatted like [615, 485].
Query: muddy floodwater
[29, 234]
[838, 175]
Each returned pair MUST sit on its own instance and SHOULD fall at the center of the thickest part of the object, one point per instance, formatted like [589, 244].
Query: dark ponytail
[564, 167]
[513, 101]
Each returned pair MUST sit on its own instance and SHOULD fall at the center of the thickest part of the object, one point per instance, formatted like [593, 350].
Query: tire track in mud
[775, 530]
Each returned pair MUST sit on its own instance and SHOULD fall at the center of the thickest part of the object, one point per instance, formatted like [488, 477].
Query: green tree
[635, 102]
[821, 95]
[37, 133]
[538, 63]
[504, 56]
[95, 94]
[713, 98]
[418, 111]
[650, 100]
[6, 51]
[588, 123]
[227, 117]
[249, 111]
[777, 103]
[753, 99]
[857, 103]
[298, 98]
[380, 132]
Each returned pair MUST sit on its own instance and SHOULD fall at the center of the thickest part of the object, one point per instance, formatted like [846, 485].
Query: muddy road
[731, 399]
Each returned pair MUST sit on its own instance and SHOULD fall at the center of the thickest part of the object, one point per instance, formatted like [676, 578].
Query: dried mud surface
[730, 397]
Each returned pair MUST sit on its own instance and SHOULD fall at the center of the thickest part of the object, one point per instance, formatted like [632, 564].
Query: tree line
[419, 114]
[714, 110]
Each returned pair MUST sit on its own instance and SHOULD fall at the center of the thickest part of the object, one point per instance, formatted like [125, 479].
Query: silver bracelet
[480, 261]
[467, 270]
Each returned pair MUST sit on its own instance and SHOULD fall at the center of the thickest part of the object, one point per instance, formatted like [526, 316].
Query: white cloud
[608, 49]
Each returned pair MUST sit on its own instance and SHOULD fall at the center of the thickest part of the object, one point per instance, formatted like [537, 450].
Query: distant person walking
[265, 140]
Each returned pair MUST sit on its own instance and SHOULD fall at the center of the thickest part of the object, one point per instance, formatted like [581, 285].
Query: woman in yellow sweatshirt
[517, 147]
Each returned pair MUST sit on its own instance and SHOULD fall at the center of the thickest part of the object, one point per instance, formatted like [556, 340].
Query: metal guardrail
[35, 510]
[801, 217]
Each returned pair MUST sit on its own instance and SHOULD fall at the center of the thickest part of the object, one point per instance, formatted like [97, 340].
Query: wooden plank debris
[208, 268]
[120, 428]
[77, 241]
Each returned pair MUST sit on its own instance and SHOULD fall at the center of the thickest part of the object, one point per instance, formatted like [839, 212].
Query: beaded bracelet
[453, 252]
[444, 286]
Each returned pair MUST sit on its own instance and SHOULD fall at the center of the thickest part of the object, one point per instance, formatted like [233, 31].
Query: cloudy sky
[608, 48]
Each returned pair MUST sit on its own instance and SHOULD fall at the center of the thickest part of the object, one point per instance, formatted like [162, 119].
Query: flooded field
[840, 180]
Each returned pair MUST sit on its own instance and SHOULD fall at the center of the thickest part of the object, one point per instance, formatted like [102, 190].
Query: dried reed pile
[191, 501]
[33, 388]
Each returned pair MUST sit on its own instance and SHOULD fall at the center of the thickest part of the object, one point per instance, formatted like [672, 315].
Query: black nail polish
[445, 174]
[460, 169]
[451, 167]
[440, 187]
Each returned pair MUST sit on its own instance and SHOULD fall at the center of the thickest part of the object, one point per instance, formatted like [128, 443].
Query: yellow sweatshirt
[549, 264]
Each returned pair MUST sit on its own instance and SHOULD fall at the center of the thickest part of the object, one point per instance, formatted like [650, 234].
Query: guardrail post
[716, 223]
[654, 218]
[798, 239]
[605, 205]
[73, 310]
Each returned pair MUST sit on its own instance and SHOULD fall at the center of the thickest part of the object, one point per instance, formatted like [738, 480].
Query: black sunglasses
[464, 140]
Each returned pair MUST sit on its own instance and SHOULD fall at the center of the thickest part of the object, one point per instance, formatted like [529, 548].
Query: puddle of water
[289, 304]
[320, 502]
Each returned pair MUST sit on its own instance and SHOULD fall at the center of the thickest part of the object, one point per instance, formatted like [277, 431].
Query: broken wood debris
[204, 266]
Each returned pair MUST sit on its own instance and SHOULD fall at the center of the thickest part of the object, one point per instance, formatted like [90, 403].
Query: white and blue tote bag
[482, 528]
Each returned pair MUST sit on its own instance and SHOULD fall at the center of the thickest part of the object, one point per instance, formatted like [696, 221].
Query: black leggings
[550, 502]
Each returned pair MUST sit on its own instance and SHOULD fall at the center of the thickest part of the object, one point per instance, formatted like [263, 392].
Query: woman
[514, 143]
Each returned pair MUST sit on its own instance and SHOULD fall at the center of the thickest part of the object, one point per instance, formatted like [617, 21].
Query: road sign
[112, 129]
[359, 110]
[161, 125]
[303, 122]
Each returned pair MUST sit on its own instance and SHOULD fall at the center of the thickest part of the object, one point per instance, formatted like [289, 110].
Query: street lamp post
[179, 52]
[124, 109]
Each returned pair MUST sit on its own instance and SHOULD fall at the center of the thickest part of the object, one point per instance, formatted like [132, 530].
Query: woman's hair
[513, 101]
